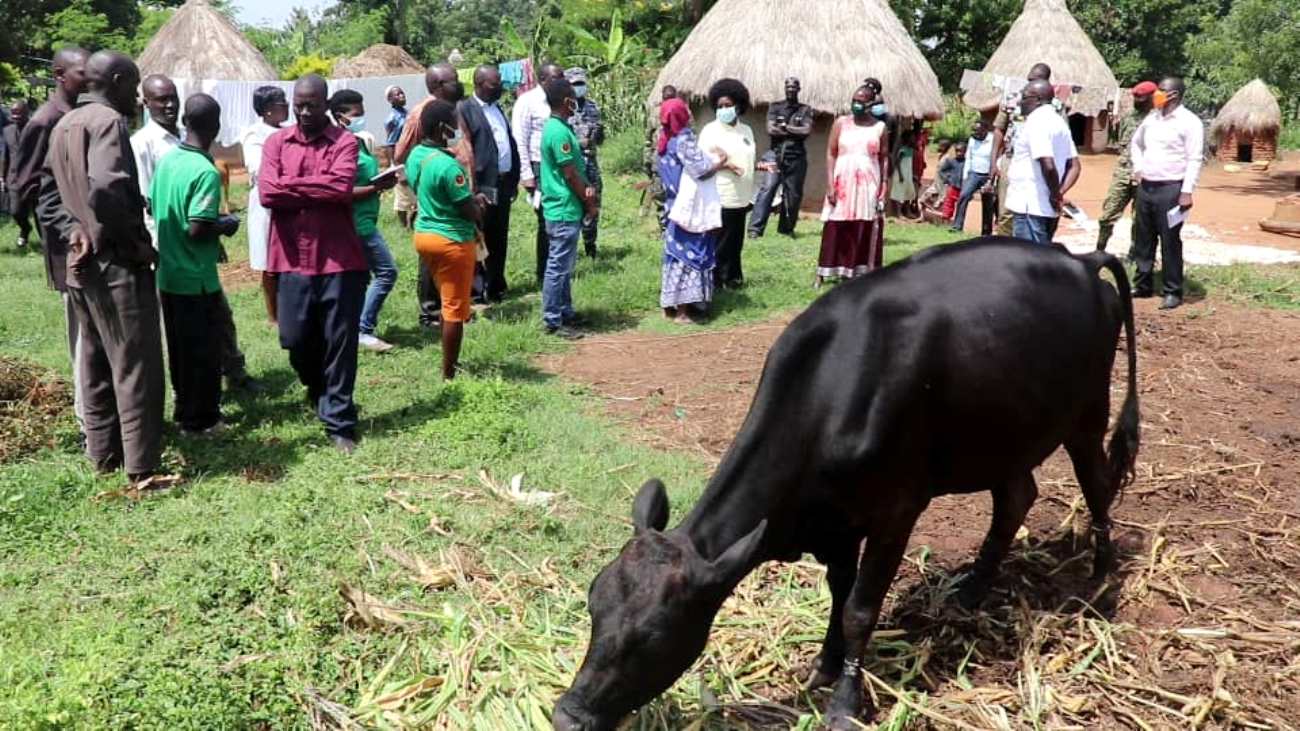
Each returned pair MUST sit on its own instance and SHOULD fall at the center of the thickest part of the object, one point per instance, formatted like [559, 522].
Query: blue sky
[273, 13]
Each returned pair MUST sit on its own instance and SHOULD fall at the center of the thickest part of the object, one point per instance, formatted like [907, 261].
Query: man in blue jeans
[975, 173]
[567, 200]
[1044, 166]
[349, 110]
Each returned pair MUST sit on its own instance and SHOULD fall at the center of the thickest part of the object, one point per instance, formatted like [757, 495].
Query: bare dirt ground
[1228, 205]
[1199, 628]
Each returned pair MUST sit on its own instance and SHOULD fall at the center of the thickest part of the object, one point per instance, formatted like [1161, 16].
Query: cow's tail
[1122, 454]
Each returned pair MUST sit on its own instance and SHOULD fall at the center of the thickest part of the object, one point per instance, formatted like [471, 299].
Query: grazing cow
[958, 370]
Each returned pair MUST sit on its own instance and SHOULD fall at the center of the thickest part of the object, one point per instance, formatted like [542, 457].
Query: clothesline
[1081, 98]
[236, 97]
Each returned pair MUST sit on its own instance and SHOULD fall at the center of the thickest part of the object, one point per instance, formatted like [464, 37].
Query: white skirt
[259, 231]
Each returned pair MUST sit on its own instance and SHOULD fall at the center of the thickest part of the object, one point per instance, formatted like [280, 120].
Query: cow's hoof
[821, 678]
[843, 722]
[972, 590]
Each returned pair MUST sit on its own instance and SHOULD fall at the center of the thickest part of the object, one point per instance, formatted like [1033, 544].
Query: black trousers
[1154, 201]
[496, 234]
[320, 320]
[426, 291]
[193, 326]
[731, 241]
[789, 178]
[233, 363]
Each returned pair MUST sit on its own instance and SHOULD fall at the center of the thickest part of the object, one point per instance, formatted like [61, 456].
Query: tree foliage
[1256, 39]
[1144, 39]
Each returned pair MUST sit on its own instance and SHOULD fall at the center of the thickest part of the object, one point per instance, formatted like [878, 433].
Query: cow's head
[651, 609]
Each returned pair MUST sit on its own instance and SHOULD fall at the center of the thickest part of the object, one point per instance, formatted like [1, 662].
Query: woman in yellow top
[445, 231]
[731, 139]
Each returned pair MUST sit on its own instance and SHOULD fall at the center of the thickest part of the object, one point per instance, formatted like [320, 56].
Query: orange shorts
[451, 263]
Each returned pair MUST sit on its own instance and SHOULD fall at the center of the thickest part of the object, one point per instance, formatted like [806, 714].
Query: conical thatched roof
[831, 45]
[380, 59]
[1253, 109]
[198, 42]
[1046, 33]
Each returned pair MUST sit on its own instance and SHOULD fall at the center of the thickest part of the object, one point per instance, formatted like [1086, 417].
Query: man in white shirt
[1167, 153]
[529, 116]
[1044, 166]
[159, 136]
[975, 173]
[148, 146]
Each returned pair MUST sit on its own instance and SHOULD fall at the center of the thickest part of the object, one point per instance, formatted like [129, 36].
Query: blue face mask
[727, 115]
[879, 110]
[580, 90]
[357, 125]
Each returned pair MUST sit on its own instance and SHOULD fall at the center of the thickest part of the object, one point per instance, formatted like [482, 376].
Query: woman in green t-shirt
[445, 225]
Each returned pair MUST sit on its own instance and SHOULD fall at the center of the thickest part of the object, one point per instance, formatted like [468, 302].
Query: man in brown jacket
[30, 174]
[110, 270]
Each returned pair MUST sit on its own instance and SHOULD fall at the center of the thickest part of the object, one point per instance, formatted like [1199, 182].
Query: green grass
[218, 605]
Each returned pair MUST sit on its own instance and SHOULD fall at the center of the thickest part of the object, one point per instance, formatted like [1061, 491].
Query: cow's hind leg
[841, 568]
[1011, 503]
[885, 547]
[1098, 485]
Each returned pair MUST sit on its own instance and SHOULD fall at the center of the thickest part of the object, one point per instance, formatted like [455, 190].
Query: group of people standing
[131, 227]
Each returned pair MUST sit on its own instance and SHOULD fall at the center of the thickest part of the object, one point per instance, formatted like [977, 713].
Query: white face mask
[580, 90]
[727, 115]
[357, 125]
[454, 139]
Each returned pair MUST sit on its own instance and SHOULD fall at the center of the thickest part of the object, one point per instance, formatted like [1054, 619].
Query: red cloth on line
[307, 185]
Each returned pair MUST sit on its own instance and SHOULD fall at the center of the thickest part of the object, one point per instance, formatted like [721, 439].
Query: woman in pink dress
[857, 160]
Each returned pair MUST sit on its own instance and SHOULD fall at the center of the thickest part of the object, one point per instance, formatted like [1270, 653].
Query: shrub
[956, 123]
[312, 63]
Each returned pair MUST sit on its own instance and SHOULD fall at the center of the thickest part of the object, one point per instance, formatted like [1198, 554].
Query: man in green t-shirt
[185, 197]
[567, 200]
[349, 110]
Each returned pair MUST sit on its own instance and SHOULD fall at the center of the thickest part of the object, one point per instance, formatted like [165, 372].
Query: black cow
[960, 369]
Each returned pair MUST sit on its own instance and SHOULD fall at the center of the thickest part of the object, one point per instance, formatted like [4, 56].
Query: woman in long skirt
[690, 256]
[858, 160]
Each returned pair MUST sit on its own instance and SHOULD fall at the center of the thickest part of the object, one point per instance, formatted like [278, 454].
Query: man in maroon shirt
[306, 182]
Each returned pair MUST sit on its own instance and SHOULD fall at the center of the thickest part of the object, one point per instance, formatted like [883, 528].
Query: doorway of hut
[1079, 131]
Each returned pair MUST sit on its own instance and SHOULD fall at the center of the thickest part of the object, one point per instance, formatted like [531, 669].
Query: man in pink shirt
[306, 182]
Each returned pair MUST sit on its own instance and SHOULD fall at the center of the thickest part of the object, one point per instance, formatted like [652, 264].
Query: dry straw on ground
[32, 401]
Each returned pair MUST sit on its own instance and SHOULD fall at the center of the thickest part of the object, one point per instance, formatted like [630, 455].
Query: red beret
[1146, 88]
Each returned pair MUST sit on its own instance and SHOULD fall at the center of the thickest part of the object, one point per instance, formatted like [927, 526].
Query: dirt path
[1229, 206]
[1204, 608]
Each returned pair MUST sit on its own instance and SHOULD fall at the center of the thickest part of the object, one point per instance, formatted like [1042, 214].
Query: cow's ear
[650, 509]
[728, 569]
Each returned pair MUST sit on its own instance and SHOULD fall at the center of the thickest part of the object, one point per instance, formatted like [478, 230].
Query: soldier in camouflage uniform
[1122, 187]
[591, 133]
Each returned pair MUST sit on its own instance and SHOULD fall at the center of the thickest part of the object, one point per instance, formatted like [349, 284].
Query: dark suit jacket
[487, 173]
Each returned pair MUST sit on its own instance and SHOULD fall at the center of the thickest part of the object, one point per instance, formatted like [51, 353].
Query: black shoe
[343, 443]
[575, 320]
[565, 332]
[1171, 301]
[1142, 294]
[755, 235]
[591, 250]
[243, 382]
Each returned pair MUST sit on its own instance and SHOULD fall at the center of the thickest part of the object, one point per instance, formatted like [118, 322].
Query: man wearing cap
[1123, 189]
[788, 124]
[591, 133]
[403, 198]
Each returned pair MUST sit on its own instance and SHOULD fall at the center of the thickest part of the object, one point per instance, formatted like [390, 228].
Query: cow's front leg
[875, 573]
[840, 573]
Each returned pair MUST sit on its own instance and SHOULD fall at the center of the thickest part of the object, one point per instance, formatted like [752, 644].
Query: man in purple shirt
[306, 182]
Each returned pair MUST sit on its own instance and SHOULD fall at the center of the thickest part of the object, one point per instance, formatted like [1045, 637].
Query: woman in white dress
[270, 104]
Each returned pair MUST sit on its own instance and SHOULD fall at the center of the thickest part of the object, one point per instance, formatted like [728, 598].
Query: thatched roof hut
[380, 59]
[831, 45]
[1247, 126]
[1047, 33]
[199, 42]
